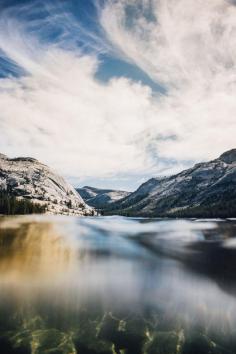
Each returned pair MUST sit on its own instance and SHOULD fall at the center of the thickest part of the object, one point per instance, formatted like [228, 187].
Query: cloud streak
[189, 46]
[60, 113]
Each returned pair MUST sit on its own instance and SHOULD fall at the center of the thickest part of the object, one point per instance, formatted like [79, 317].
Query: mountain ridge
[205, 190]
[100, 197]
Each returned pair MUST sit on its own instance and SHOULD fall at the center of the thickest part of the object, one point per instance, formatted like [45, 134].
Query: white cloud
[62, 115]
[190, 46]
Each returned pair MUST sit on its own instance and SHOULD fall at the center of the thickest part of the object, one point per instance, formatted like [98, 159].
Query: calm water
[117, 285]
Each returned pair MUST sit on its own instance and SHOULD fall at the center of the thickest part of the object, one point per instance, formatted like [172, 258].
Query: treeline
[10, 205]
[217, 210]
[226, 209]
[214, 206]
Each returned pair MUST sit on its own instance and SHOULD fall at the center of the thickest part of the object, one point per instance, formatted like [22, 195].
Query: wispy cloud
[189, 46]
[60, 113]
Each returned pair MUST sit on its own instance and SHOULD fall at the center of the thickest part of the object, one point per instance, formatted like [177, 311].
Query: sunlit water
[117, 285]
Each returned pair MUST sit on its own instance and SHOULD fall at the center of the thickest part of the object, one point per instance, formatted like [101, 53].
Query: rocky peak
[228, 157]
[25, 177]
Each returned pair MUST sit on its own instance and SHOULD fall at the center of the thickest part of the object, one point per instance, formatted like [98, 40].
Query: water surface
[117, 285]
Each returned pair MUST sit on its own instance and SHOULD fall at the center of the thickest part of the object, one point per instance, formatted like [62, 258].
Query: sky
[110, 93]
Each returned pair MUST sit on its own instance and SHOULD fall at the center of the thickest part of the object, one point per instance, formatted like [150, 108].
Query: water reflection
[117, 285]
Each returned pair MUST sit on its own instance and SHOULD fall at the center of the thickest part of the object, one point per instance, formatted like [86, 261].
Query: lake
[103, 285]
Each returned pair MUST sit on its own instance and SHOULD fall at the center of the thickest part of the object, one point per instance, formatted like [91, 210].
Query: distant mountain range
[27, 178]
[206, 190]
[101, 198]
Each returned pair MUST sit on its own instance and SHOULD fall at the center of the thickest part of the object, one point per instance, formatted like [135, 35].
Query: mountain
[206, 190]
[27, 178]
[100, 198]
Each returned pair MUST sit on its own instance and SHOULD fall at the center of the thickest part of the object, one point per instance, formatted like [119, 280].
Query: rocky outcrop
[206, 190]
[25, 177]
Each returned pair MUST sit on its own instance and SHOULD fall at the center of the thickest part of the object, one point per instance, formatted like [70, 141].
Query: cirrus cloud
[57, 111]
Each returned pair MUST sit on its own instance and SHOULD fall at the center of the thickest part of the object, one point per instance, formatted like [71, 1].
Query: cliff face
[26, 177]
[206, 190]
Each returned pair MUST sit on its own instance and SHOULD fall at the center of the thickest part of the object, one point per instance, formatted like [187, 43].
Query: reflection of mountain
[43, 249]
[116, 285]
[32, 251]
[205, 190]
[213, 257]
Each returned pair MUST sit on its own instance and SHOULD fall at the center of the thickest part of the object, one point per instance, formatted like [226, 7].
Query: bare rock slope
[207, 189]
[26, 177]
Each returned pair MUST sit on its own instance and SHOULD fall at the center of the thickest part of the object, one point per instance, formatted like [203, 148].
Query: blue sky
[85, 12]
[110, 93]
